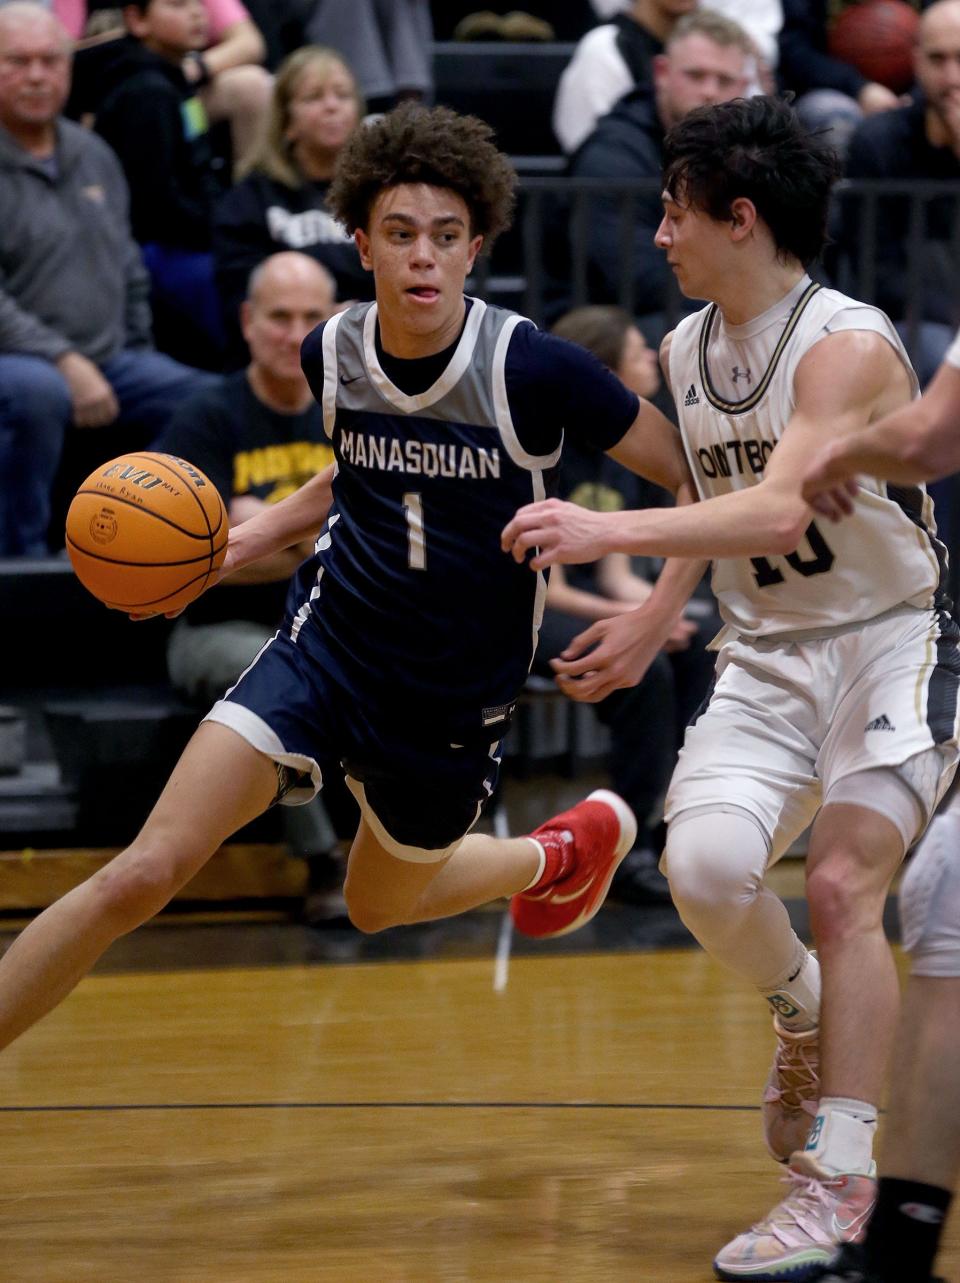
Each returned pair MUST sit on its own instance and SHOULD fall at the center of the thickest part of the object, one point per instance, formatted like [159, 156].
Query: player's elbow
[787, 529]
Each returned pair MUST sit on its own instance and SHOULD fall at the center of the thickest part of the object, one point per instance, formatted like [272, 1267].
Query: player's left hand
[827, 485]
[562, 532]
[610, 655]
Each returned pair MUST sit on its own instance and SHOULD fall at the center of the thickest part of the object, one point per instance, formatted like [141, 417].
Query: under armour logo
[741, 374]
[691, 398]
[881, 723]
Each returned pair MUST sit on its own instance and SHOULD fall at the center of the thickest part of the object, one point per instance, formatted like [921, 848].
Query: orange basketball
[146, 533]
[877, 37]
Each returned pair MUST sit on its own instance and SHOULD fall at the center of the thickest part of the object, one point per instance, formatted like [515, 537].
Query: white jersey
[734, 390]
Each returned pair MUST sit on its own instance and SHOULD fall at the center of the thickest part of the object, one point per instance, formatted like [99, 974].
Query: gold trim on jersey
[748, 403]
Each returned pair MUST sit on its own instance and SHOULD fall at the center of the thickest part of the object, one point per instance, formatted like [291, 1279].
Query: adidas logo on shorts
[691, 398]
[881, 723]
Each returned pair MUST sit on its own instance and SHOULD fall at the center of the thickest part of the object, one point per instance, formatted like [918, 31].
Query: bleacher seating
[103, 726]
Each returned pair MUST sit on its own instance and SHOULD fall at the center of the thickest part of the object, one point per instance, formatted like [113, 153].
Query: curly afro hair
[414, 144]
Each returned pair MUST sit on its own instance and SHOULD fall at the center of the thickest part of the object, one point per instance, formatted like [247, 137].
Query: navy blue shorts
[419, 792]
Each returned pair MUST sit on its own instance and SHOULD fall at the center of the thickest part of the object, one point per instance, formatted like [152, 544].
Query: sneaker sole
[628, 835]
[764, 1274]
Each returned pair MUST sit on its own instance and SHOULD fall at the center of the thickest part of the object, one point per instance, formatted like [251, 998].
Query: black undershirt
[415, 375]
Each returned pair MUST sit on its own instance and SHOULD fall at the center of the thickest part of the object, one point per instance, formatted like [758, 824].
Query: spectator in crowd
[281, 203]
[830, 93]
[74, 313]
[152, 118]
[386, 42]
[608, 62]
[617, 56]
[226, 73]
[707, 60]
[919, 141]
[646, 721]
[258, 436]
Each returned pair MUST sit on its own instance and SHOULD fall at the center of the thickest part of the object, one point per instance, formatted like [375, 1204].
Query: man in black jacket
[707, 60]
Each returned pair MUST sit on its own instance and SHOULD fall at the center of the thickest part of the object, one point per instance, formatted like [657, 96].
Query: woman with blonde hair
[281, 202]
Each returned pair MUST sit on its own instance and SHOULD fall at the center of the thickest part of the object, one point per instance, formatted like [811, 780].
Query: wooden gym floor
[255, 1101]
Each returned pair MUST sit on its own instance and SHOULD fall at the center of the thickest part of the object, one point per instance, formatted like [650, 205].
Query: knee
[715, 864]
[135, 886]
[705, 887]
[843, 901]
[366, 915]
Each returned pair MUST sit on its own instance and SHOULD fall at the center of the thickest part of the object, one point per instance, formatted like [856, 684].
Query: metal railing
[552, 234]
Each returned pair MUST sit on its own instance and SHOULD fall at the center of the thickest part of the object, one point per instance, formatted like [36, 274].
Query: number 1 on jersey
[416, 536]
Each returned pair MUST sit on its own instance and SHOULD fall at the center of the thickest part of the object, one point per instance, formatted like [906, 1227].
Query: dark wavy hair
[755, 148]
[414, 144]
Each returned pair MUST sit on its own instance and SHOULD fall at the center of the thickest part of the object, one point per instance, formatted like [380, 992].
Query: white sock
[795, 995]
[540, 867]
[841, 1138]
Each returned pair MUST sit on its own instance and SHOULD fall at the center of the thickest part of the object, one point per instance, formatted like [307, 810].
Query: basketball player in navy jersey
[409, 635]
[838, 673]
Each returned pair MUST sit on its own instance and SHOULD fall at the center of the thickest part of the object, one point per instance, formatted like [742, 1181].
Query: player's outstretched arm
[615, 653]
[281, 525]
[918, 442]
[846, 381]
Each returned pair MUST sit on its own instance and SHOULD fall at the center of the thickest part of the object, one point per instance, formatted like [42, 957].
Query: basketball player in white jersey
[921, 1151]
[837, 676]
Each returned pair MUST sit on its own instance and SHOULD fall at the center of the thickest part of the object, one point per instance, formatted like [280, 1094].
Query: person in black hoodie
[154, 121]
[281, 203]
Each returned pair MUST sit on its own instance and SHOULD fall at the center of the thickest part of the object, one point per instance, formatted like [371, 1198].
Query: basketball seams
[154, 601]
[206, 536]
[210, 532]
[144, 565]
[191, 488]
[168, 461]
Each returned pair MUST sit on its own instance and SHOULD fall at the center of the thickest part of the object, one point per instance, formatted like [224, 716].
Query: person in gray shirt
[75, 345]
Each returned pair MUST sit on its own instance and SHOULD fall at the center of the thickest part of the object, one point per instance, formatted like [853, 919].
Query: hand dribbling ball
[877, 37]
[146, 533]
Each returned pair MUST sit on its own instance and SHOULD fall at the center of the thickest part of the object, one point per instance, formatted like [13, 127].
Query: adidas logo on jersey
[691, 398]
[881, 723]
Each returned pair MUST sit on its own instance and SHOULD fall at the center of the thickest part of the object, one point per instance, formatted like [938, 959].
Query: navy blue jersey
[417, 611]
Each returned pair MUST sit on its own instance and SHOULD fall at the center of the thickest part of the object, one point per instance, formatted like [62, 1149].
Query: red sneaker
[600, 831]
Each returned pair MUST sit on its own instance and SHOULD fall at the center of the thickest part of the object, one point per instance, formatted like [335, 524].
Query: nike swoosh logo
[566, 899]
[353, 380]
[848, 1229]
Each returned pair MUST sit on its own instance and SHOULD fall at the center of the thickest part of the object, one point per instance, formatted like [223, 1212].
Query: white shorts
[930, 899]
[787, 719]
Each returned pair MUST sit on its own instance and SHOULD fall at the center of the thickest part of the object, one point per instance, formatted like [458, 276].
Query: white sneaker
[792, 1091]
[802, 1233]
